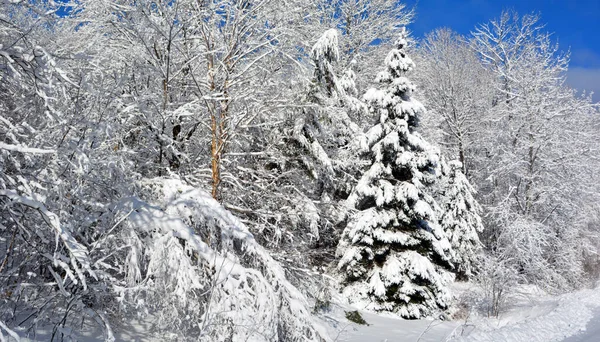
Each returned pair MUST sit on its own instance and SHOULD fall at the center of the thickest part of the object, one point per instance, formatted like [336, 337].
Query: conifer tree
[393, 252]
[460, 220]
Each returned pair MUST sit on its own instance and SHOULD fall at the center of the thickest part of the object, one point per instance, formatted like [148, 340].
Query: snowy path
[572, 317]
[591, 333]
[550, 319]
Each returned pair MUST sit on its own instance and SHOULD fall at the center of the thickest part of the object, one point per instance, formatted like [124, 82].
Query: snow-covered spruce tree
[393, 252]
[316, 158]
[309, 127]
[460, 220]
[324, 130]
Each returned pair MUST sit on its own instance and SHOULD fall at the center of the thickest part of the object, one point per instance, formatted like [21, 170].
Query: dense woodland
[223, 167]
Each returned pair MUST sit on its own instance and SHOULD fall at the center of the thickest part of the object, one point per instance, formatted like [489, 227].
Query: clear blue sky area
[574, 23]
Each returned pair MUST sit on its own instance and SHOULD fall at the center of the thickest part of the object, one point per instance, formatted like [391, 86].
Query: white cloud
[587, 79]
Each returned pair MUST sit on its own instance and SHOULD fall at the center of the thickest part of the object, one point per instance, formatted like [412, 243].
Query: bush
[497, 277]
[356, 317]
[321, 306]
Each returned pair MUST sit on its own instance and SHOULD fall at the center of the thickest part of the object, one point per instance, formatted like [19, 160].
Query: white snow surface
[533, 317]
[390, 329]
[536, 318]
[542, 319]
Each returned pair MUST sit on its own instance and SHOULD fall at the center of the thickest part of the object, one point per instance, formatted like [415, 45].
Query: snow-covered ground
[591, 332]
[381, 328]
[572, 317]
[544, 318]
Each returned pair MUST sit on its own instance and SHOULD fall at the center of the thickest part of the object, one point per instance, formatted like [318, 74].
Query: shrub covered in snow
[177, 259]
[194, 265]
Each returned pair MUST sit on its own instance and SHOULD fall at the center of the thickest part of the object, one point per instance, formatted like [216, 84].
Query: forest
[229, 170]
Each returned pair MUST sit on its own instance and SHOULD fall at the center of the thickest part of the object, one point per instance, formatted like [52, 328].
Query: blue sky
[574, 23]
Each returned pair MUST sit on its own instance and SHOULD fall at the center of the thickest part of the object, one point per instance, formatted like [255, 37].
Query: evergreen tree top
[394, 101]
[397, 62]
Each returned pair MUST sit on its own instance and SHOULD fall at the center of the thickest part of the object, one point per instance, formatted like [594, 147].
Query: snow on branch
[24, 149]
[327, 47]
[78, 251]
[10, 332]
[245, 277]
